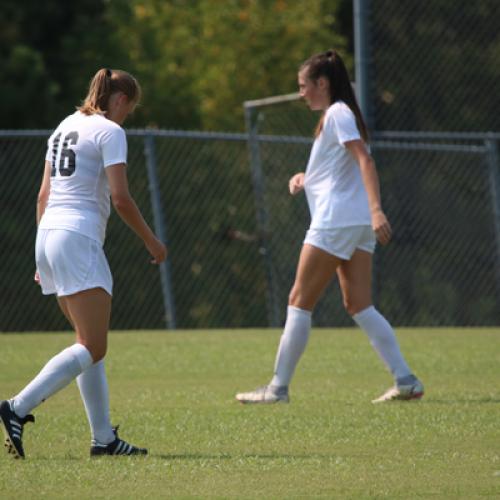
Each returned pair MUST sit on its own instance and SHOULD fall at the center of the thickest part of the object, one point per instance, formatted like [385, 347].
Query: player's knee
[97, 352]
[354, 306]
[298, 298]
[350, 306]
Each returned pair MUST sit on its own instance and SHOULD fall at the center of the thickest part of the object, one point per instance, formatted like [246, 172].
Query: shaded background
[433, 66]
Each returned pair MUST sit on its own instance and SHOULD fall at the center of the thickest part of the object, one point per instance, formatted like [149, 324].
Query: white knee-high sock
[55, 375]
[383, 340]
[93, 387]
[292, 344]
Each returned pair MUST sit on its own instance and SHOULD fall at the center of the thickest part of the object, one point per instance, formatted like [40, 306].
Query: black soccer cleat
[12, 427]
[116, 447]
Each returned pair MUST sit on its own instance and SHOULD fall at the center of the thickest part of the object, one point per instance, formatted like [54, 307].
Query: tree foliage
[48, 50]
[197, 60]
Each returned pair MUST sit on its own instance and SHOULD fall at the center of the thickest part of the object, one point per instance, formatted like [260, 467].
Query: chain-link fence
[229, 268]
[202, 184]
[234, 233]
[433, 65]
[442, 195]
[440, 192]
[423, 66]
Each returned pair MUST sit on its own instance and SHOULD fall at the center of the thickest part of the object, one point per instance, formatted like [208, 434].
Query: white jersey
[79, 150]
[333, 184]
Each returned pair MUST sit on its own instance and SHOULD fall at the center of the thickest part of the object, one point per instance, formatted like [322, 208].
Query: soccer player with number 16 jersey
[85, 166]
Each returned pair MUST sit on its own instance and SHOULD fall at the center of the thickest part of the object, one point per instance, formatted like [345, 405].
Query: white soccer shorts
[69, 262]
[342, 241]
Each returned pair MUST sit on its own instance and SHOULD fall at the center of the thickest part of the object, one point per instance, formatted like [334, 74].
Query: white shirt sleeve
[344, 122]
[114, 147]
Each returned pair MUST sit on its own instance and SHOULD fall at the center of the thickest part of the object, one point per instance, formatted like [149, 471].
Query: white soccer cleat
[267, 394]
[402, 393]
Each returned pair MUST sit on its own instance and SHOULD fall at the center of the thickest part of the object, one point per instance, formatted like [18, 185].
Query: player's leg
[55, 375]
[92, 383]
[93, 386]
[64, 308]
[90, 311]
[64, 261]
[355, 282]
[94, 391]
[59, 371]
[315, 269]
[58, 261]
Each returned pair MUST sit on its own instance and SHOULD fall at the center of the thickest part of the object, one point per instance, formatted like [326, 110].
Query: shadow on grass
[172, 457]
[479, 401]
[226, 456]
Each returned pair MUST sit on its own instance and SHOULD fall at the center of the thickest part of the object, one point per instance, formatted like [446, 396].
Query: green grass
[173, 392]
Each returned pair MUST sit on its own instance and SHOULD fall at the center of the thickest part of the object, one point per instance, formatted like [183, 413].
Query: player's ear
[322, 82]
[122, 99]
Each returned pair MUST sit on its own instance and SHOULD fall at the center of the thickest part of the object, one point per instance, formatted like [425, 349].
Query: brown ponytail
[105, 83]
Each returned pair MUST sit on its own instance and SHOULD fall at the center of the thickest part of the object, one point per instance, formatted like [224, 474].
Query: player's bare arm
[129, 212]
[369, 174]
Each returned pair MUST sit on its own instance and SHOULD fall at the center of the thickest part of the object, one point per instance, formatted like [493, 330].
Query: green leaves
[196, 60]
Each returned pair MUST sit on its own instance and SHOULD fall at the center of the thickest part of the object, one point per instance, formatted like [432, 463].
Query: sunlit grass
[174, 393]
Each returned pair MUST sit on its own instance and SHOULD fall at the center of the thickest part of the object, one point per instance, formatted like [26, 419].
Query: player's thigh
[315, 270]
[90, 311]
[355, 279]
[64, 308]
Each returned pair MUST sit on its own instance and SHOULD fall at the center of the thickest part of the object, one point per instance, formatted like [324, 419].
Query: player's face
[314, 92]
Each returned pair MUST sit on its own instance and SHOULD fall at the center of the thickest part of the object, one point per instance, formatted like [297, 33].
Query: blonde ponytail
[105, 83]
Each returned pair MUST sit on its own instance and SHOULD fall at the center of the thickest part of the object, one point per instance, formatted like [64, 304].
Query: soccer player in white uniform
[342, 190]
[85, 165]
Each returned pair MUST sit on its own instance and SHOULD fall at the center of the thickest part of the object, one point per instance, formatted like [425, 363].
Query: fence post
[494, 177]
[160, 230]
[362, 58]
[262, 214]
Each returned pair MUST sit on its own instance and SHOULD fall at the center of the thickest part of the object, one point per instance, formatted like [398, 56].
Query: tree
[48, 51]
[199, 60]
[196, 60]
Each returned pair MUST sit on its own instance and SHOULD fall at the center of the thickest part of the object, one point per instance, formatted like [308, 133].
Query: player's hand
[157, 250]
[296, 183]
[381, 226]
[36, 278]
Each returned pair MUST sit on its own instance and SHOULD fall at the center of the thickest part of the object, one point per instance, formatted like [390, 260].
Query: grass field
[174, 392]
